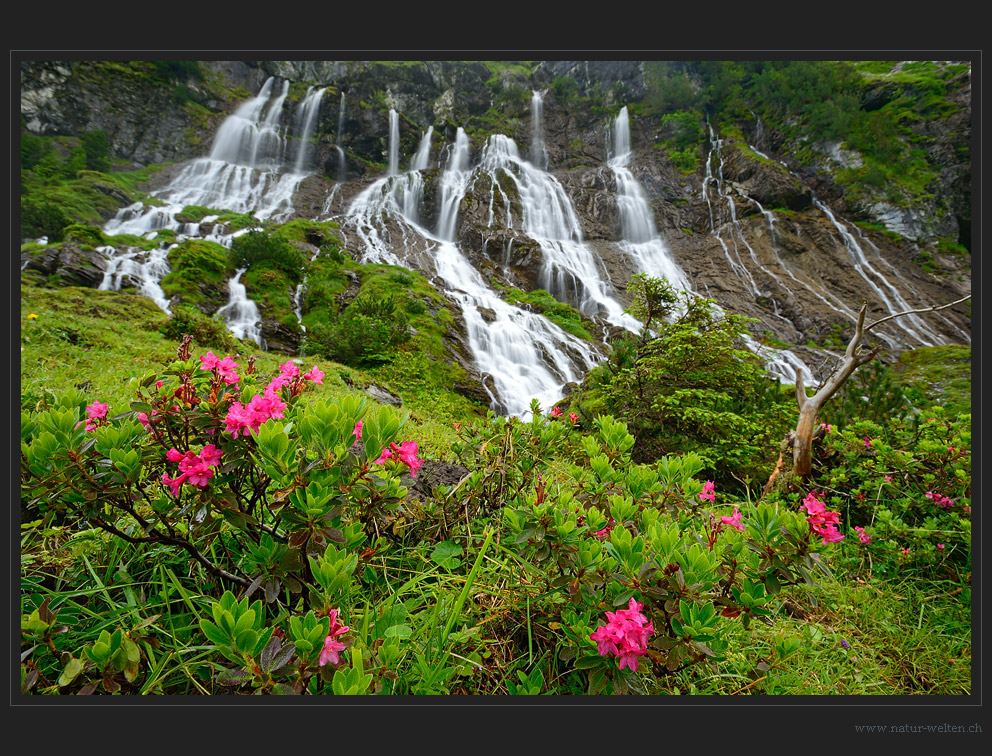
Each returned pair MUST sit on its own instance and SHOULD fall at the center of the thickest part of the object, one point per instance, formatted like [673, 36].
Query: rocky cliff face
[752, 225]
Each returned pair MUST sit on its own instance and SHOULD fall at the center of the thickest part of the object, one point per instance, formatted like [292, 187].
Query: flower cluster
[243, 419]
[196, 469]
[332, 646]
[626, 635]
[96, 415]
[822, 521]
[939, 499]
[734, 520]
[708, 493]
[863, 537]
[222, 368]
[405, 453]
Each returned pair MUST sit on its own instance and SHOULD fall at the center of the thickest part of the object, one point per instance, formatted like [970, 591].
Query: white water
[525, 355]
[641, 241]
[893, 301]
[422, 160]
[240, 313]
[394, 140]
[643, 244]
[306, 117]
[538, 150]
[139, 268]
[338, 141]
[569, 271]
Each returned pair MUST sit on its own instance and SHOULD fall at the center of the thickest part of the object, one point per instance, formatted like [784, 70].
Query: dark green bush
[43, 219]
[257, 245]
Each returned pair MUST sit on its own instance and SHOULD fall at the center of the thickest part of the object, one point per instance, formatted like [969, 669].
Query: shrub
[255, 246]
[205, 330]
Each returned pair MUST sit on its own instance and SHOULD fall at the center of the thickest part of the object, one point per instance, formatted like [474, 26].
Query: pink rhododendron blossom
[827, 427]
[358, 431]
[573, 417]
[867, 442]
[316, 375]
[196, 469]
[940, 500]
[625, 635]
[822, 521]
[556, 412]
[905, 551]
[862, 535]
[940, 547]
[734, 520]
[333, 647]
[209, 361]
[708, 493]
[289, 369]
[226, 368]
[405, 453]
[96, 415]
[888, 478]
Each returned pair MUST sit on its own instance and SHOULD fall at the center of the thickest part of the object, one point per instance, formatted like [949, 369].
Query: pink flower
[867, 442]
[555, 412]
[96, 415]
[905, 551]
[209, 361]
[888, 478]
[601, 535]
[822, 521]
[211, 455]
[708, 492]
[573, 417]
[625, 635]
[734, 521]
[333, 647]
[406, 453]
[174, 455]
[862, 535]
[940, 547]
[289, 369]
[316, 375]
[358, 430]
[826, 427]
[225, 369]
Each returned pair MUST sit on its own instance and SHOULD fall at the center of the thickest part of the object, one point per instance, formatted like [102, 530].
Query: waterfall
[538, 150]
[645, 247]
[306, 117]
[893, 301]
[339, 140]
[422, 160]
[145, 269]
[240, 313]
[569, 271]
[524, 355]
[641, 241]
[394, 142]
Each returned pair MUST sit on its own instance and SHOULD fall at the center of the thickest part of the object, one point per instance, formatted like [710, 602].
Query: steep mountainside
[786, 192]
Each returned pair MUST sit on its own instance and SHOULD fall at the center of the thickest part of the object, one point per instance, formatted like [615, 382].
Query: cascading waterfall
[139, 267]
[240, 313]
[737, 265]
[422, 160]
[339, 140]
[645, 247]
[245, 172]
[524, 355]
[641, 241]
[538, 150]
[569, 270]
[893, 301]
[394, 141]
[306, 117]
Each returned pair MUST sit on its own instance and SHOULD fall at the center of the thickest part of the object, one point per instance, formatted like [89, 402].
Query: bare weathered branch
[924, 309]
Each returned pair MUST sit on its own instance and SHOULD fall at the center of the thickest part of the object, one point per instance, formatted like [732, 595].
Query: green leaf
[71, 672]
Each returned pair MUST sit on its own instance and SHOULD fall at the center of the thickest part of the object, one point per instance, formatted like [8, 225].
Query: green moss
[941, 373]
[193, 263]
[565, 316]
